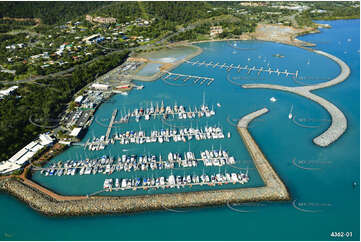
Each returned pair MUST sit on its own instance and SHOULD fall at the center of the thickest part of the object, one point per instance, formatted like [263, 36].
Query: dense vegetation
[44, 103]
[8, 25]
[49, 12]
[336, 10]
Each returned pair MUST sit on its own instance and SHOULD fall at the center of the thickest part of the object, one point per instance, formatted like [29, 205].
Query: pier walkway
[238, 68]
[196, 79]
[110, 125]
[339, 122]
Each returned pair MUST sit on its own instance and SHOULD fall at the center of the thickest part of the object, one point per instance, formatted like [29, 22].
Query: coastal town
[127, 107]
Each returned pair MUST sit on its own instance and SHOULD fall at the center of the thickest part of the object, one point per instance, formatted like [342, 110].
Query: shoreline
[292, 41]
[168, 66]
[49, 203]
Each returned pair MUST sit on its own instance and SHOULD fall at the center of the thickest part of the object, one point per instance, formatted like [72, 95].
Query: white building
[91, 38]
[8, 91]
[25, 154]
[79, 99]
[215, 30]
[75, 132]
[8, 167]
[45, 139]
[100, 86]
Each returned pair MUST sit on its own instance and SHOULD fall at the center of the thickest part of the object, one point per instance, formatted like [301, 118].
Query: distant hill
[60, 12]
[49, 12]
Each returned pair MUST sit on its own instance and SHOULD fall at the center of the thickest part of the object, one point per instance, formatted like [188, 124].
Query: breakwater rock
[339, 122]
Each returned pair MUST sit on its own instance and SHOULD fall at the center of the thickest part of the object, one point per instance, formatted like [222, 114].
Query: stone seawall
[339, 121]
[49, 203]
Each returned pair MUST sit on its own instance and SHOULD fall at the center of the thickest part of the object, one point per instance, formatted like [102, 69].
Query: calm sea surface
[324, 199]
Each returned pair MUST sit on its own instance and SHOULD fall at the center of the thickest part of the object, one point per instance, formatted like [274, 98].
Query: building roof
[75, 132]
[31, 145]
[25, 158]
[6, 167]
[91, 37]
[101, 86]
[18, 155]
[78, 99]
[36, 148]
[45, 139]
[8, 91]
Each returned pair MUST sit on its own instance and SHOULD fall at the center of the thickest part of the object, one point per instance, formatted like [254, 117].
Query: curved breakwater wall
[339, 122]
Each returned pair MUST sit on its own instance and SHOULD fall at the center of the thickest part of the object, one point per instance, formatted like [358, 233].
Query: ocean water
[319, 179]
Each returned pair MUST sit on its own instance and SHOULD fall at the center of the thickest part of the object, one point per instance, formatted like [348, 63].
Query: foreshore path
[339, 121]
[50, 203]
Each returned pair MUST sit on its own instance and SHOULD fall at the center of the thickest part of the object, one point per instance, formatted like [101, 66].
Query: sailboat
[290, 114]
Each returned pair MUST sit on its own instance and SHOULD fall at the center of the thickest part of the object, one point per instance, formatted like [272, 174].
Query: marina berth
[165, 112]
[128, 163]
[158, 136]
[174, 181]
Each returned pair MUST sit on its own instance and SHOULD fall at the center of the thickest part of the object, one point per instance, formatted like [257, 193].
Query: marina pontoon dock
[110, 125]
[230, 67]
[186, 77]
[108, 165]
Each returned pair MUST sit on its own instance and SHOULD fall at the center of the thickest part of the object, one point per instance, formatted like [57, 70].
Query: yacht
[290, 114]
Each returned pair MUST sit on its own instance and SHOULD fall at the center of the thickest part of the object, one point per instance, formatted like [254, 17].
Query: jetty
[196, 79]
[50, 203]
[114, 114]
[338, 120]
[229, 67]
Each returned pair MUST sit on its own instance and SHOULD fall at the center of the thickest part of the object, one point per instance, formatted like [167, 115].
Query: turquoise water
[327, 190]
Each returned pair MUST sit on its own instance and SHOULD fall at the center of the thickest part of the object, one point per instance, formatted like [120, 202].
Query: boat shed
[45, 139]
[8, 167]
[79, 99]
[75, 132]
